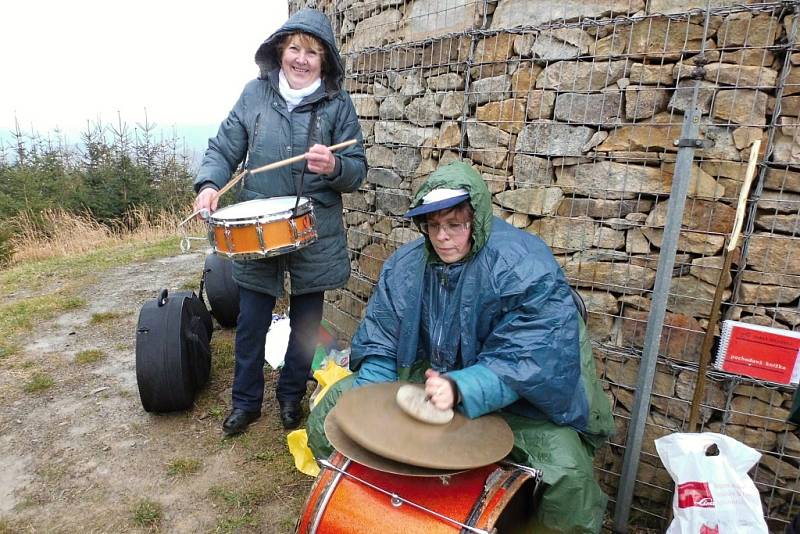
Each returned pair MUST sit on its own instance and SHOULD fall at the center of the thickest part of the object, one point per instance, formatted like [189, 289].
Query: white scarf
[293, 97]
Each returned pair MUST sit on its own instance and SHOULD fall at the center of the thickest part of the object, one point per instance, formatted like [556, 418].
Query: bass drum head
[221, 291]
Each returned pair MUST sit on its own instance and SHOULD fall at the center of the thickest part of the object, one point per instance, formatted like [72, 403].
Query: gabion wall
[570, 111]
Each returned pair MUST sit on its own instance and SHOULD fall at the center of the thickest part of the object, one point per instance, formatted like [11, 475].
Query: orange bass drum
[350, 498]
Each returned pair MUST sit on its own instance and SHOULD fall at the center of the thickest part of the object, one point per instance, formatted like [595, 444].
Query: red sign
[695, 494]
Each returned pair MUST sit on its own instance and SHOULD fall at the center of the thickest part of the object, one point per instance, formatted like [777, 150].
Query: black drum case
[221, 291]
[173, 353]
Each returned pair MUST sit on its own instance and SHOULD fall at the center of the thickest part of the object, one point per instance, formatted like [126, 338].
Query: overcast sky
[184, 62]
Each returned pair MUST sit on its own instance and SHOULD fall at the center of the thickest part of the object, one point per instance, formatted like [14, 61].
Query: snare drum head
[260, 207]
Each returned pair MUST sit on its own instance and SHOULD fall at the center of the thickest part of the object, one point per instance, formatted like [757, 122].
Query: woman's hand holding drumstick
[206, 200]
[320, 161]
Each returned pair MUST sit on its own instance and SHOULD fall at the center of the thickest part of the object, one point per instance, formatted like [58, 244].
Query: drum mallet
[282, 163]
[705, 350]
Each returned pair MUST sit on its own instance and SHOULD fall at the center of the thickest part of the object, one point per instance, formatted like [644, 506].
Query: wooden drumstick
[278, 164]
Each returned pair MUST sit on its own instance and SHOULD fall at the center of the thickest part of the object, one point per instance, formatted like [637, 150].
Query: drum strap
[298, 183]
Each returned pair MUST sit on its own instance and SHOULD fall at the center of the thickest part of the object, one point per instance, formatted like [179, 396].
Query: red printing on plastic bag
[705, 529]
[695, 494]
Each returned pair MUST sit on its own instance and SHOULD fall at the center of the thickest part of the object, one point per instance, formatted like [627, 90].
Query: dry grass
[72, 234]
[182, 467]
[38, 382]
[89, 356]
[73, 249]
[147, 514]
[19, 317]
[104, 317]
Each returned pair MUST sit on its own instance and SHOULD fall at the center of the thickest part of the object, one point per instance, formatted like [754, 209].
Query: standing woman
[296, 105]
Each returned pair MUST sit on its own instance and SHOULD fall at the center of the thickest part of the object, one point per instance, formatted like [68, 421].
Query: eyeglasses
[451, 229]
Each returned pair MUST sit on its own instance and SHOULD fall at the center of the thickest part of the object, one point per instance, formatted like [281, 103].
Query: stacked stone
[570, 111]
[770, 284]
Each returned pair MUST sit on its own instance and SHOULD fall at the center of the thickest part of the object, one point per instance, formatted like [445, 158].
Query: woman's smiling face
[302, 65]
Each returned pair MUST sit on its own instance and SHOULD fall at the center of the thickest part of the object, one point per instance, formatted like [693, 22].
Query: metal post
[655, 321]
[681, 176]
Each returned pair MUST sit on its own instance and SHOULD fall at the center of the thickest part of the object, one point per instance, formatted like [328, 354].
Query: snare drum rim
[278, 251]
[303, 207]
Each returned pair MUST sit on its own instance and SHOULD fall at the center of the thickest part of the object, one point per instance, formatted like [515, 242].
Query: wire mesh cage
[573, 113]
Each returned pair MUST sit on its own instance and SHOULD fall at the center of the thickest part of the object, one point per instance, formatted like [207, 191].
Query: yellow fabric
[304, 460]
[303, 457]
[328, 375]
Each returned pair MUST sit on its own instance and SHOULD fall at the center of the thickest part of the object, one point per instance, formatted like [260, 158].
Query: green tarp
[572, 500]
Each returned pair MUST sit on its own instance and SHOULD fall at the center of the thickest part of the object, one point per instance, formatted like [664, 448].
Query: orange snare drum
[349, 498]
[262, 228]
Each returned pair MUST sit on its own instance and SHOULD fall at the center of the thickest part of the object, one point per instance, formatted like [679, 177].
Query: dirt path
[83, 456]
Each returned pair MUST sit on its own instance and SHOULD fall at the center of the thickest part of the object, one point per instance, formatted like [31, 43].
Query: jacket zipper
[255, 133]
[439, 332]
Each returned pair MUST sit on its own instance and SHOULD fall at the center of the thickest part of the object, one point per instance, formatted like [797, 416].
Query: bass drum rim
[508, 501]
[221, 291]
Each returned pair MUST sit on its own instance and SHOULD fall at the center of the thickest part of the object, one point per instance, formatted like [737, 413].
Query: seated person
[481, 312]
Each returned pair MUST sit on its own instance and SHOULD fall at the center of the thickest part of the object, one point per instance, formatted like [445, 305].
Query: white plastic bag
[277, 340]
[713, 493]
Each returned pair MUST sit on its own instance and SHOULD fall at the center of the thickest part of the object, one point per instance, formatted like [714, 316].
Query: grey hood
[309, 21]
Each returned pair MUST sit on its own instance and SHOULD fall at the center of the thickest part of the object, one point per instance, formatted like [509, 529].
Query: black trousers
[255, 316]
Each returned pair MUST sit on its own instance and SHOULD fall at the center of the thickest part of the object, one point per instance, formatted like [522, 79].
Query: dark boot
[291, 414]
[238, 421]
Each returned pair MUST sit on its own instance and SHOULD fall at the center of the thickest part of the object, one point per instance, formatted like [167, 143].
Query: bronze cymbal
[359, 454]
[370, 416]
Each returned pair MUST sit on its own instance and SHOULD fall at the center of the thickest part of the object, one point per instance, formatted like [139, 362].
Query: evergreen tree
[110, 173]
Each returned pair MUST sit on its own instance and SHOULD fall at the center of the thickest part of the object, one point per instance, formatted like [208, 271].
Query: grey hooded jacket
[260, 128]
